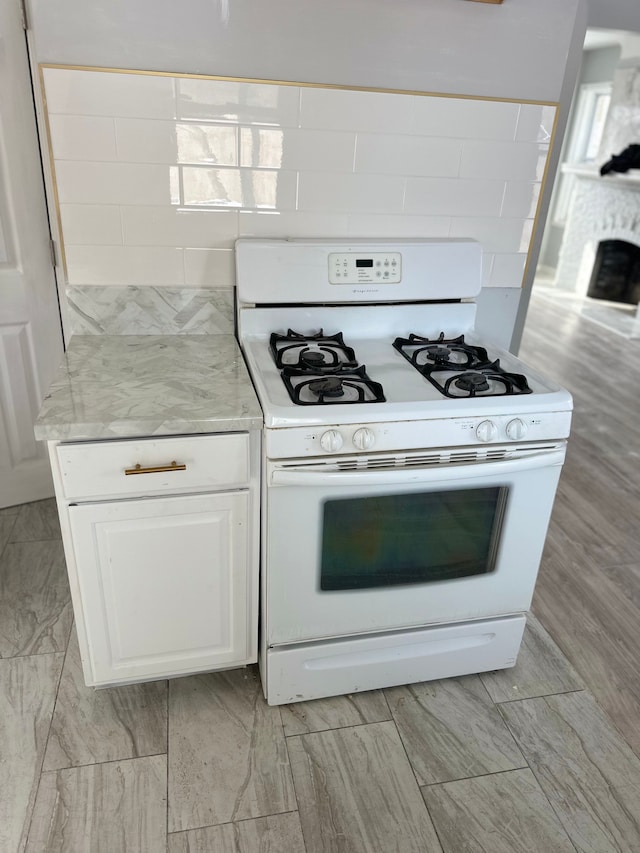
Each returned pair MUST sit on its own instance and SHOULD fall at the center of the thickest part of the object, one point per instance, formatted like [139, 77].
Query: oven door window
[413, 538]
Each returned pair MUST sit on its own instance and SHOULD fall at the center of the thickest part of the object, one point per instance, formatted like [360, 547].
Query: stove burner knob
[364, 439]
[486, 431]
[516, 429]
[331, 441]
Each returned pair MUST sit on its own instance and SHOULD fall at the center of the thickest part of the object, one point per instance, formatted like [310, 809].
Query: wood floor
[542, 758]
[588, 592]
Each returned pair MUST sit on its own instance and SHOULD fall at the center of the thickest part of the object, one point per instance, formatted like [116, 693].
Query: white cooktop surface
[370, 331]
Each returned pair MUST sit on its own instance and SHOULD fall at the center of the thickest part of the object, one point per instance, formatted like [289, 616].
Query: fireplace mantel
[624, 180]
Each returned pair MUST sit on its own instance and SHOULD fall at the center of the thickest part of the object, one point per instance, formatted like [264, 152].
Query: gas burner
[342, 385]
[471, 382]
[454, 353]
[311, 352]
[485, 380]
[328, 386]
[438, 354]
[312, 358]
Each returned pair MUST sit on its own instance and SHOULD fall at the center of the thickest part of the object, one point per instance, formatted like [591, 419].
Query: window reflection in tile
[230, 187]
[202, 143]
[261, 147]
[212, 187]
[264, 187]
[228, 100]
[174, 184]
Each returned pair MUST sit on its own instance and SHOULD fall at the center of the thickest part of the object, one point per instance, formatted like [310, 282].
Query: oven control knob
[331, 440]
[486, 431]
[364, 439]
[516, 429]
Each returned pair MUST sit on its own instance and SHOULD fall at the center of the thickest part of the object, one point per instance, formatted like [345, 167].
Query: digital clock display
[364, 262]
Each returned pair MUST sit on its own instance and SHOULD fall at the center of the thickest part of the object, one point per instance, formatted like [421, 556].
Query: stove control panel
[397, 436]
[372, 268]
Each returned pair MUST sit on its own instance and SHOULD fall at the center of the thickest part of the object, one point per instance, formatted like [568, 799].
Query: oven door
[392, 545]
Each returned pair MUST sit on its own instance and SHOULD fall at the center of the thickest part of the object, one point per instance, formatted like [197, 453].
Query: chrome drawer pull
[156, 470]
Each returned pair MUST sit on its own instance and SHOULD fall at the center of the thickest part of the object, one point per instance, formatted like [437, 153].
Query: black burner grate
[343, 385]
[311, 351]
[458, 369]
[452, 353]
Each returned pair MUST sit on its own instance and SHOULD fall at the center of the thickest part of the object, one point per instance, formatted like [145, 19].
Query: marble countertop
[113, 386]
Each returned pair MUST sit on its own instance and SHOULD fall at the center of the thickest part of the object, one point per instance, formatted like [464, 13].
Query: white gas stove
[409, 467]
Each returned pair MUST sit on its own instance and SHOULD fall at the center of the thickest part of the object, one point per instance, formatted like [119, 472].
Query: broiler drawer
[99, 469]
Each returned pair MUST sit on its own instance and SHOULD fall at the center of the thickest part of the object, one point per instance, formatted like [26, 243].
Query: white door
[30, 330]
[164, 585]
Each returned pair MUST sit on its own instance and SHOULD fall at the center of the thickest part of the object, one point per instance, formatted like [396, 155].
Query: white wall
[522, 50]
[516, 50]
[614, 14]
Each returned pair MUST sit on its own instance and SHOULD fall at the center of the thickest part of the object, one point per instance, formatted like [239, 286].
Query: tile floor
[615, 317]
[519, 760]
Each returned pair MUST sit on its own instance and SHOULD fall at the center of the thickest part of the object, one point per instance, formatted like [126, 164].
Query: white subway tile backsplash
[248, 188]
[395, 154]
[507, 270]
[464, 118]
[125, 265]
[262, 147]
[103, 93]
[521, 199]
[297, 149]
[298, 223]
[174, 226]
[452, 197]
[500, 160]
[237, 102]
[382, 225]
[535, 123]
[146, 141]
[82, 137]
[209, 267]
[527, 235]
[149, 141]
[487, 264]
[113, 183]
[495, 233]
[91, 224]
[338, 109]
[157, 176]
[174, 185]
[211, 187]
[350, 193]
[207, 143]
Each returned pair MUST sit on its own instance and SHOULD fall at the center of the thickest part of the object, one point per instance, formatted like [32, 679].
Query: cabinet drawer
[99, 469]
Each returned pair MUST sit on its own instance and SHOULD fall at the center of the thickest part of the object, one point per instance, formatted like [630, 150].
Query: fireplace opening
[616, 272]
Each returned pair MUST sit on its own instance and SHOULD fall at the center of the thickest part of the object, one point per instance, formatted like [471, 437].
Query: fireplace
[616, 272]
[602, 211]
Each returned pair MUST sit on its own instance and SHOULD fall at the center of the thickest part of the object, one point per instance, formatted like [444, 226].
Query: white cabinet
[163, 569]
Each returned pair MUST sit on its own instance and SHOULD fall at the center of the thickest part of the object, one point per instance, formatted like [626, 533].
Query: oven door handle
[439, 473]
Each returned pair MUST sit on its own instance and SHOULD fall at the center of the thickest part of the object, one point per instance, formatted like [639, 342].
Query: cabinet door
[165, 585]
